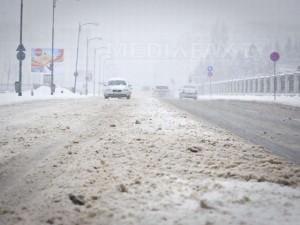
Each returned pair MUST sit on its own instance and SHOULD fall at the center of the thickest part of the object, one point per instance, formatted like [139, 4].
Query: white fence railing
[285, 84]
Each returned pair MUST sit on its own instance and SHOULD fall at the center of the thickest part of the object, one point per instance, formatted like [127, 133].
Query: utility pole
[274, 57]
[87, 61]
[94, 71]
[52, 50]
[101, 73]
[77, 52]
[20, 54]
[275, 80]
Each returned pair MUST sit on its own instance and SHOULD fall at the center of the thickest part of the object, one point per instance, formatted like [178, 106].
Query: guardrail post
[265, 85]
[259, 85]
[297, 83]
[287, 84]
[278, 84]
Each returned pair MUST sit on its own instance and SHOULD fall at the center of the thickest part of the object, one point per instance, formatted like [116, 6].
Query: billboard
[41, 59]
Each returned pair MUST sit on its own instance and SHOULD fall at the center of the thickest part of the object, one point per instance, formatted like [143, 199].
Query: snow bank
[280, 99]
[41, 93]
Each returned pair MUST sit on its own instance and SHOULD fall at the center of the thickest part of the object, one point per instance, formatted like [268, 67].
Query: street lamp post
[77, 52]
[94, 72]
[101, 73]
[20, 54]
[275, 57]
[87, 61]
[52, 50]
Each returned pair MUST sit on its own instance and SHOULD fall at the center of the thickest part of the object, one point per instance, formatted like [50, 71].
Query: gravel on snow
[91, 161]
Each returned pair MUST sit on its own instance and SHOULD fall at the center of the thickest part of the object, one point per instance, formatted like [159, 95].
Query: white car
[117, 88]
[161, 91]
[189, 91]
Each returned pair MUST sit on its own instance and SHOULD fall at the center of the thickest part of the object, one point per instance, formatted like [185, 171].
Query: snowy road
[92, 161]
[274, 126]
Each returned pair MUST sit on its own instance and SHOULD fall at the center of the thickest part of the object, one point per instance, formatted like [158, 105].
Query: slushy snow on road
[95, 161]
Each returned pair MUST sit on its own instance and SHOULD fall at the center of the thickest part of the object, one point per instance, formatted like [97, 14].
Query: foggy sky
[138, 23]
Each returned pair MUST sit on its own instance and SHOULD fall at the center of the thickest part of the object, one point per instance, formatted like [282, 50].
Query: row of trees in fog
[233, 60]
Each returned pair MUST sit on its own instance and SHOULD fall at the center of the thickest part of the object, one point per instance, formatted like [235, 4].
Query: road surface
[274, 126]
[94, 161]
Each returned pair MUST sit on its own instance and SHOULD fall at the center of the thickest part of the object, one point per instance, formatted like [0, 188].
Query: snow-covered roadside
[280, 99]
[42, 93]
[141, 162]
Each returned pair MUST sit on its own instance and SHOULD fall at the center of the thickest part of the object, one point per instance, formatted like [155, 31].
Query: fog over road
[274, 126]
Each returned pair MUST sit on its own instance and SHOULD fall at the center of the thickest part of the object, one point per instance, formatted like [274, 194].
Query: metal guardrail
[287, 84]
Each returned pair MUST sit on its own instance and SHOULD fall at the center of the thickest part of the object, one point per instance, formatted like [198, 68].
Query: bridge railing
[285, 84]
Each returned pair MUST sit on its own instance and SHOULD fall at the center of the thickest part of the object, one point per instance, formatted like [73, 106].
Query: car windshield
[162, 87]
[117, 82]
[189, 86]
